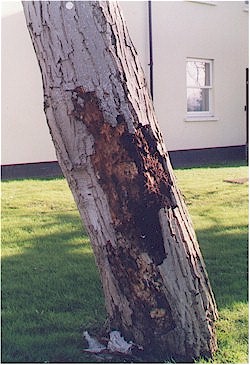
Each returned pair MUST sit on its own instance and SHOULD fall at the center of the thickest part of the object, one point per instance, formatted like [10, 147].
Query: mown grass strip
[51, 290]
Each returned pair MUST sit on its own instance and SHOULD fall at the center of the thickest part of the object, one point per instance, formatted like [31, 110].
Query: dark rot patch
[131, 173]
[150, 308]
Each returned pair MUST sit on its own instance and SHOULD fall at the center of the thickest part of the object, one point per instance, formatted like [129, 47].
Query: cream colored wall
[25, 136]
[180, 29]
[136, 17]
[189, 29]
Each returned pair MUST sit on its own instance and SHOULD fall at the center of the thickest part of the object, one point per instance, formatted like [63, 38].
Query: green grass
[219, 212]
[50, 285]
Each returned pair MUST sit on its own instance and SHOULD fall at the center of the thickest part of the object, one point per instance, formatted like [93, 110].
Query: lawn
[51, 291]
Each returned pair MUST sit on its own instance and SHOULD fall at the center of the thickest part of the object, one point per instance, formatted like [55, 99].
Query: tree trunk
[112, 154]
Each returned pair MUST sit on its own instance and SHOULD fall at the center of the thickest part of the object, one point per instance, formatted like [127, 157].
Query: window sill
[201, 119]
[213, 3]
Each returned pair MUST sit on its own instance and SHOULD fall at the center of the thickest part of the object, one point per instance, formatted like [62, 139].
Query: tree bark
[112, 154]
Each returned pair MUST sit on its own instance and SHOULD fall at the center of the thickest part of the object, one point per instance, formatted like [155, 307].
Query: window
[199, 87]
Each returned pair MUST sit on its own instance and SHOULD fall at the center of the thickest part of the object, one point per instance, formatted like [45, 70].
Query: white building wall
[136, 17]
[25, 135]
[198, 30]
[180, 29]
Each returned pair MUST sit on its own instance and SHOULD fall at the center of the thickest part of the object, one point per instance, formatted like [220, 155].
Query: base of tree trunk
[137, 354]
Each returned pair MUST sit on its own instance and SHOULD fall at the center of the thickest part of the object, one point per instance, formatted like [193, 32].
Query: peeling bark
[112, 154]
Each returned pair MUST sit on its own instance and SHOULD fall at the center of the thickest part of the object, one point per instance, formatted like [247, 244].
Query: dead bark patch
[130, 170]
[131, 173]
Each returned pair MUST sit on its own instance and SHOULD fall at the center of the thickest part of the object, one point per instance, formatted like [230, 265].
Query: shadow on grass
[51, 292]
[225, 252]
[225, 164]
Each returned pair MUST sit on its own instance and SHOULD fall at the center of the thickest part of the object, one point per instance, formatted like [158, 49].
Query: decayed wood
[112, 154]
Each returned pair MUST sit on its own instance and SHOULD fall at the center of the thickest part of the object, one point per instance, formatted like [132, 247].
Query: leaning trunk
[112, 154]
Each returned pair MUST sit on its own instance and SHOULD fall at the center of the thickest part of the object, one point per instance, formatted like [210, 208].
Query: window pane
[197, 100]
[198, 73]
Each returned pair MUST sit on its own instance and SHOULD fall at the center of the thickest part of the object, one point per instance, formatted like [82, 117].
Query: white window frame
[202, 115]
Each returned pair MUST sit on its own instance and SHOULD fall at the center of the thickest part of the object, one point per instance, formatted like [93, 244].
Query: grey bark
[110, 149]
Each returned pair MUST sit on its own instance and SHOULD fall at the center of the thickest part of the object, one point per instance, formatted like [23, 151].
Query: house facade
[195, 58]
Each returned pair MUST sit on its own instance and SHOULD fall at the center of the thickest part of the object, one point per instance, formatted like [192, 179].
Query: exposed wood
[112, 154]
